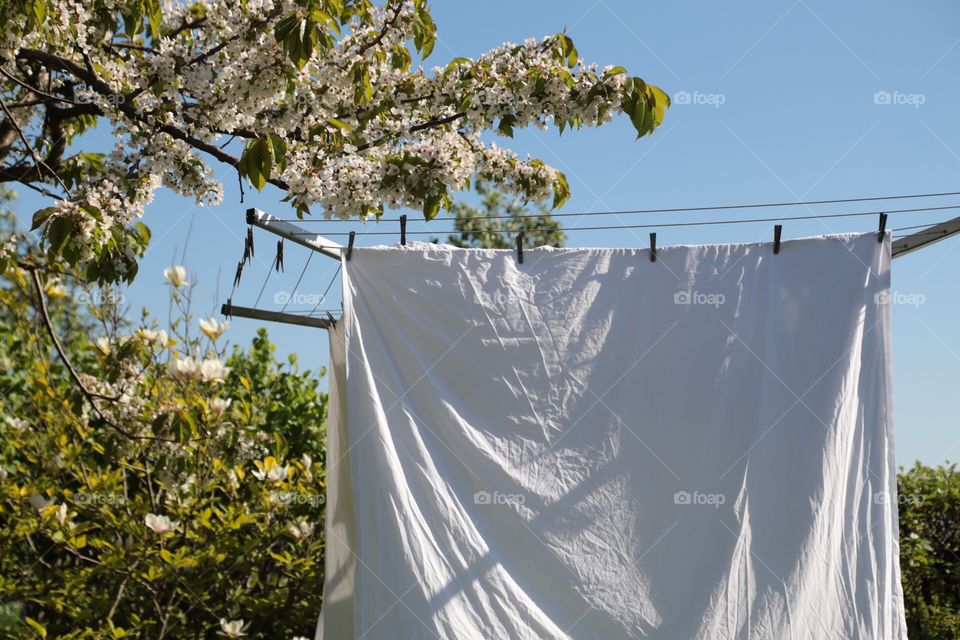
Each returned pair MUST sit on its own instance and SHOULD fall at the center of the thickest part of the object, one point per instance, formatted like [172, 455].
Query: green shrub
[173, 494]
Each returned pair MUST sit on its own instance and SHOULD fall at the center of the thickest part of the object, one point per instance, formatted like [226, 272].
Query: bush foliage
[175, 491]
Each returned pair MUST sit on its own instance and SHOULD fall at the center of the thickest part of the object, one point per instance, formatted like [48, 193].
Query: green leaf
[424, 32]
[561, 190]
[506, 125]
[431, 207]
[569, 51]
[36, 626]
[256, 163]
[278, 151]
[339, 124]
[613, 71]
[41, 216]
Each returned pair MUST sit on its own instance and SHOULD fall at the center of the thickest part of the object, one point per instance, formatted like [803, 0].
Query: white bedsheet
[591, 445]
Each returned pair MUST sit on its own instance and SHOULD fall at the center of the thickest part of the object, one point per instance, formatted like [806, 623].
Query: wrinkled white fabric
[591, 445]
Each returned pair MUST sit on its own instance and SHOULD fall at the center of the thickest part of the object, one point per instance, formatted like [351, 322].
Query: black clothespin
[883, 227]
[520, 248]
[279, 261]
[247, 254]
[227, 309]
[236, 278]
[403, 230]
[777, 230]
[331, 319]
[653, 247]
[353, 234]
[250, 240]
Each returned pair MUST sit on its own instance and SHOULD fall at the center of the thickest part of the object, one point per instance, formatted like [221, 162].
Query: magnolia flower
[160, 524]
[212, 370]
[301, 529]
[186, 368]
[232, 628]
[150, 336]
[177, 276]
[61, 513]
[103, 345]
[218, 406]
[214, 328]
[270, 470]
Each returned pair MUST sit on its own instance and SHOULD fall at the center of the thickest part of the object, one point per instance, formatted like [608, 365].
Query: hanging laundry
[592, 444]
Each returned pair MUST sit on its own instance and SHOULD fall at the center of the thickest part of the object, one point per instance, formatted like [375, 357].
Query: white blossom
[160, 524]
[232, 628]
[177, 276]
[214, 328]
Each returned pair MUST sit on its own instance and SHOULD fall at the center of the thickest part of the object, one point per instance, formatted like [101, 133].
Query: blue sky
[792, 100]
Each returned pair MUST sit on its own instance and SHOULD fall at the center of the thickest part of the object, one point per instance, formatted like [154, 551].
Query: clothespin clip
[246, 249]
[353, 235]
[279, 261]
[227, 309]
[403, 230]
[331, 319]
[777, 230]
[653, 247]
[236, 278]
[520, 248]
[250, 240]
[883, 227]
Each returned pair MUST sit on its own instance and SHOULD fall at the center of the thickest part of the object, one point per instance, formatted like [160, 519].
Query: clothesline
[761, 205]
[660, 225]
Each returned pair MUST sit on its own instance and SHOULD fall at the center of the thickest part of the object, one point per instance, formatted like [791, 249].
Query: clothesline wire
[658, 226]
[265, 281]
[296, 286]
[674, 209]
[327, 290]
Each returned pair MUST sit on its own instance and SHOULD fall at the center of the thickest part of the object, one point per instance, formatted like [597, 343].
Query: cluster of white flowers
[356, 127]
[207, 369]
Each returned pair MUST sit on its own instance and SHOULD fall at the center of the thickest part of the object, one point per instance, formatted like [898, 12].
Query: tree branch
[87, 394]
[124, 104]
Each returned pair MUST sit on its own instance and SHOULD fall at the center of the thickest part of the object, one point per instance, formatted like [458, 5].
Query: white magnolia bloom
[212, 370]
[232, 628]
[160, 524]
[301, 529]
[177, 276]
[103, 345]
[214, 328]
[218, 406]
[186, 368]
[150, 336]
[61, 513]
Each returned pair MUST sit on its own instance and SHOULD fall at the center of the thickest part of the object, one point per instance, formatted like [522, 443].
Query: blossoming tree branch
[317, 98]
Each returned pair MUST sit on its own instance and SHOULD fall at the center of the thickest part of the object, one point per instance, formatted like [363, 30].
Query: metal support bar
[294, 233]
[925, 237]
[275, 316]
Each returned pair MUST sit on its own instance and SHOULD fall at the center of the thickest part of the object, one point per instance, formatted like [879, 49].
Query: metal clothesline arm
[925, 237]
[275, 316]
[294, 233]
